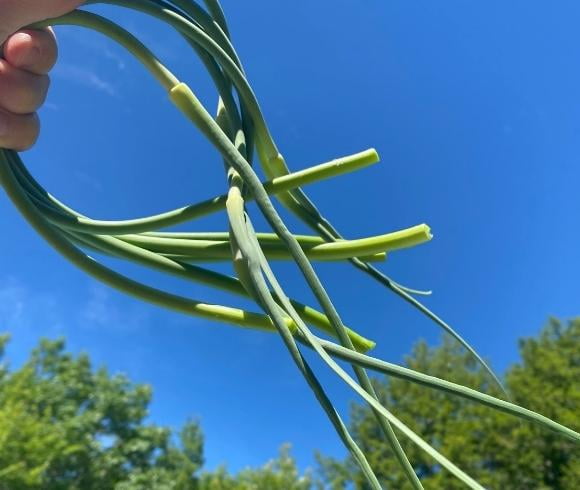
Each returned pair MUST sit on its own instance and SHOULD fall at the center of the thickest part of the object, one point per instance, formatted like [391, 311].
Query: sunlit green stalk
[446, 386]
[78, 222]
[238, 128]
[326, 251]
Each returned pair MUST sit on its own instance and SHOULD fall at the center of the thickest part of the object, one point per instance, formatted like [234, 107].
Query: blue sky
[474, 108]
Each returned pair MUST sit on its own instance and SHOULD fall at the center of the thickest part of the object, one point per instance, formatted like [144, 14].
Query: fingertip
[21, 92]
[18, 132]
[19, 13]
[32, 50]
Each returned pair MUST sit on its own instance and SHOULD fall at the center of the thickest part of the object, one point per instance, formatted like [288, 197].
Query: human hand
[27, 57]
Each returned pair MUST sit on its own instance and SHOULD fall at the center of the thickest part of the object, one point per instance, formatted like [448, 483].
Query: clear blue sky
[475, 110]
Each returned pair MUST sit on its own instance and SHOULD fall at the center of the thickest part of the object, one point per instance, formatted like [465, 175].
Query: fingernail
[3, 125]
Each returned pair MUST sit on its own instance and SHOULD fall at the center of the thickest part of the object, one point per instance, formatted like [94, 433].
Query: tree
[548, 381]
[278, 474]
[498, 450]
[65, 426]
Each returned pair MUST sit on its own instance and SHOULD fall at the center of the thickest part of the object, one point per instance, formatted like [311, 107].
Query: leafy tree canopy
[64, 425]
[496, 449]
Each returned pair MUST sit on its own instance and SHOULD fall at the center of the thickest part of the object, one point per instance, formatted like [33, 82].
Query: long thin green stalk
[326, 251]
[296, 201]
[118, 248]
[237, 130]
[446, 386]
[225, 314]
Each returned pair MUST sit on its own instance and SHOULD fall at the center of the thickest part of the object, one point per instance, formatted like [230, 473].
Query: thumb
[15, 14]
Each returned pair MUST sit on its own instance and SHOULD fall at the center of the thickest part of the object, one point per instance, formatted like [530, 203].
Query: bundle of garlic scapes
[237, 130]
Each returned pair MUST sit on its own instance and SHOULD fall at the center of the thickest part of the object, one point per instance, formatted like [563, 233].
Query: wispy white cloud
[99, 44]
[87, 179]
[26, 309]
[114, 57]
[102, 310]
[28, 313]
[12, 297]
[51, 106]
[86, 77]
[22, 308]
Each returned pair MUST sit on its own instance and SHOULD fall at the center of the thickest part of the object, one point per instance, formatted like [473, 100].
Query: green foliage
[65, 426]
[548, 381]
[278, 474]
[499, 451]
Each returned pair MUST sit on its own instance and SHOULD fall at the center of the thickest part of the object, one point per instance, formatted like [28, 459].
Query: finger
[21, 92]
[32, 50]
[15, 14]
[18, 131]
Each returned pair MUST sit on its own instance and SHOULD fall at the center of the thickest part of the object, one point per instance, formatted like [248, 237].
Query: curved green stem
[73, 220]
[237, 129]
[445, 386]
